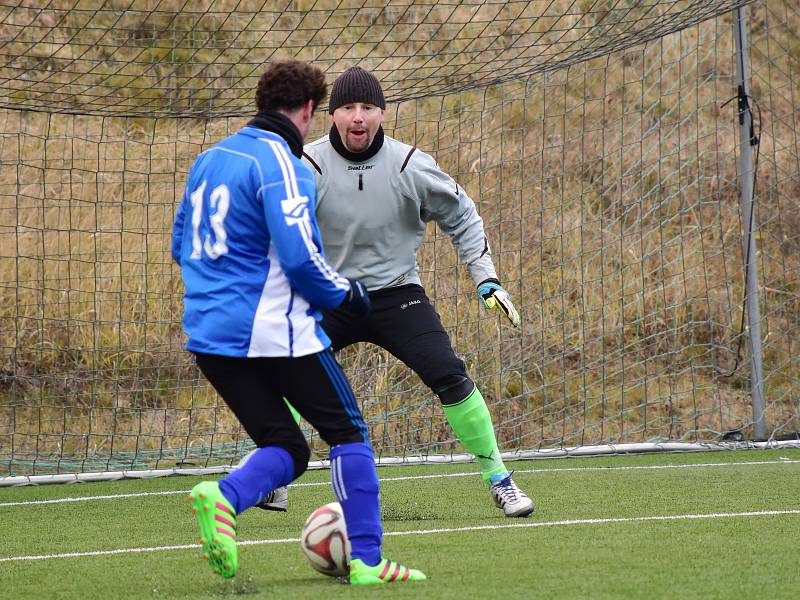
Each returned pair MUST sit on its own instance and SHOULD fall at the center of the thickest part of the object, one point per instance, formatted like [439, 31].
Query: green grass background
[742, 557]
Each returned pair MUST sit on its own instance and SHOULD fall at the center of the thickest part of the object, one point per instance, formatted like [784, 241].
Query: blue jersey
[249, 248]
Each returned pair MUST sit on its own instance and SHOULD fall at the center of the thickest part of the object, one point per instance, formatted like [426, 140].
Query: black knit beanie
[356, 85]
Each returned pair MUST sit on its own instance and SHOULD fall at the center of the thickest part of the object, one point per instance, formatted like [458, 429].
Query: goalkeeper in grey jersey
[375, 196]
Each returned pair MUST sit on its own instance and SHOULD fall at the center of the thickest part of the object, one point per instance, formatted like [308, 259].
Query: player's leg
[248, 387]
[343, 329]
[471, 421]
[278, 499]
[245, 385]
[322, 394]
[407, 325]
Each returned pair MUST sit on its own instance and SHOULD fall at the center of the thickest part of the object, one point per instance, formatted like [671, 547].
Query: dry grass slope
[608, 187]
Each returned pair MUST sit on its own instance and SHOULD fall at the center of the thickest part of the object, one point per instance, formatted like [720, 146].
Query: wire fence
[595, 138]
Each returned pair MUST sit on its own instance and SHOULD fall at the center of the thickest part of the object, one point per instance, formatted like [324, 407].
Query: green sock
[472, 423]
[293, 410]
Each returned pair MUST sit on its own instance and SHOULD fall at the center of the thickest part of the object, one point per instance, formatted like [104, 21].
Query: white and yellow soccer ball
[324, 540]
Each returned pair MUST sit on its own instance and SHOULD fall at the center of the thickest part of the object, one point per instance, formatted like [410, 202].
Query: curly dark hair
[289, 84]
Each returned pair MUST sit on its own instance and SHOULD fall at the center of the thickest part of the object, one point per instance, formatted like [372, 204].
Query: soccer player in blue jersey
[248, 244]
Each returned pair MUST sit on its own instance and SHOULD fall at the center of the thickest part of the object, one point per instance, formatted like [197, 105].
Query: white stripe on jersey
[287, 168]
[293, 191]
[270, 334]
[322, 266]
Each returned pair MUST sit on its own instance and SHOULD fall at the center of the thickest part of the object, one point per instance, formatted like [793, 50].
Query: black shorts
[254, 389]
[404, 322]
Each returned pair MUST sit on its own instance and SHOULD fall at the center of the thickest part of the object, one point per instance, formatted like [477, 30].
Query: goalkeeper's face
[357, 124]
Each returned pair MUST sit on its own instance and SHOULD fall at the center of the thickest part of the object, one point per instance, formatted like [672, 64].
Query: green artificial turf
[742, 556]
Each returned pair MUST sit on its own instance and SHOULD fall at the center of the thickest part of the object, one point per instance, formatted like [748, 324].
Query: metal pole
[746, 142]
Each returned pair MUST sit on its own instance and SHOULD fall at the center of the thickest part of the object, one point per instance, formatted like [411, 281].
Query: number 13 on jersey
[219, 202]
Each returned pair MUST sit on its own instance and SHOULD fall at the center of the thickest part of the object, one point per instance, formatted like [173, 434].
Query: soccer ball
[324, 540]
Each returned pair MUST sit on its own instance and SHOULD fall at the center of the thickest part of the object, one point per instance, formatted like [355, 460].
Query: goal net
[597, 138]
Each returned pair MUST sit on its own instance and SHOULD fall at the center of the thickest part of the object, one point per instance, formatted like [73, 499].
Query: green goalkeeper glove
[493, 295]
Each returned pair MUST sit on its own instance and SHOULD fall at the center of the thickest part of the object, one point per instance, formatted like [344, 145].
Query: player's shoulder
[404, 155]
[409, 157]
[315, 153]
[318, 145]
[272, 155]
[395, 145]
[248, 144]
[317, 148]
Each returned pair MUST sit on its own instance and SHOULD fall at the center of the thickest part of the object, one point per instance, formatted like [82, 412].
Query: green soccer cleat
[385, 571]
[217, 521]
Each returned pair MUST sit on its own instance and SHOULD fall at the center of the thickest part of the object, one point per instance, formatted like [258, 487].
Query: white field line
[613, 520]
[783, 461]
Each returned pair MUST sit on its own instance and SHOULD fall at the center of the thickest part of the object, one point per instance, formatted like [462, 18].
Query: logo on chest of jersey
[359, 167]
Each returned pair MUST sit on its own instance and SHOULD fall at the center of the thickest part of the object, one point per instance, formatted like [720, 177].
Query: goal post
[747, 139]
[598, 139]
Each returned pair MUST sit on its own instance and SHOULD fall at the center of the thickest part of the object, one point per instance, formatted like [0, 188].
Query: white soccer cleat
[513, 501]
[277, 499]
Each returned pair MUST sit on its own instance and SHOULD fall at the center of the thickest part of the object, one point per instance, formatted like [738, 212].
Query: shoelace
[508, 490]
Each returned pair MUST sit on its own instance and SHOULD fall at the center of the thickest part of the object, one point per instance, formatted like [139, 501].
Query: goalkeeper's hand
[357, 301]
[493, 295]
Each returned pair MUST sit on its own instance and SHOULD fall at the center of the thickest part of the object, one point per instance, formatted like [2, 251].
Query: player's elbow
[296, 271]
[316, 289]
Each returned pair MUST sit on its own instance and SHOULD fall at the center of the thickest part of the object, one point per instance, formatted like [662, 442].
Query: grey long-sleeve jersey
[372, 214]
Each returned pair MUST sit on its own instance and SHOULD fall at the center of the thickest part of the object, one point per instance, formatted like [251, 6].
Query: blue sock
[355, 483]
[257, 475]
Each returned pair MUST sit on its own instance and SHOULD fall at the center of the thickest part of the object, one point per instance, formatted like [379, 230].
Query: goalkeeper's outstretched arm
[454, 211]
